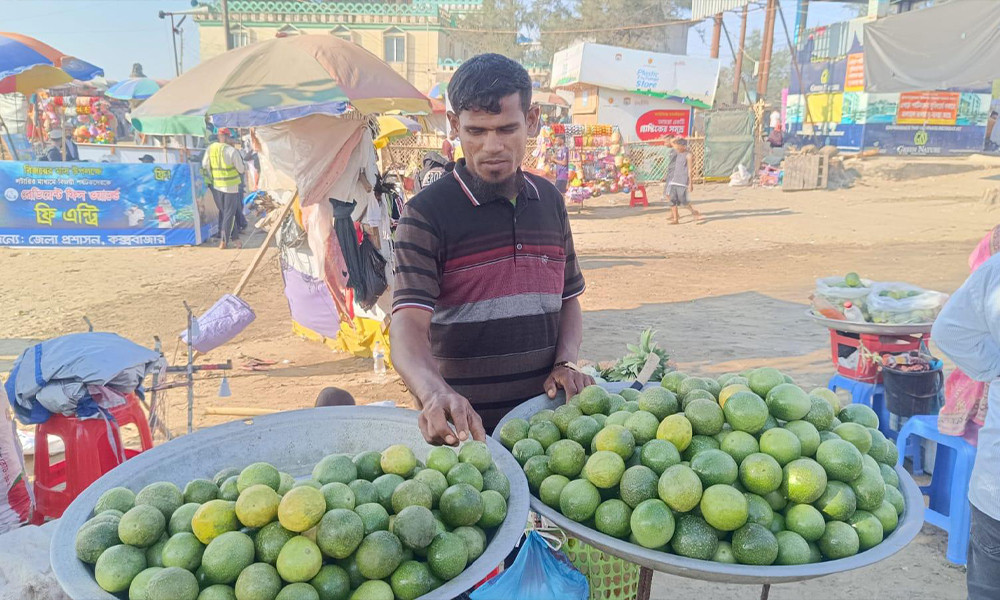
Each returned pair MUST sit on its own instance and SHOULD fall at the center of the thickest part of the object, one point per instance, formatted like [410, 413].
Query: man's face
[494, 144]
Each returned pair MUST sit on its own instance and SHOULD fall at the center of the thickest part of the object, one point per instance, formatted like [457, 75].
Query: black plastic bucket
[908, 394]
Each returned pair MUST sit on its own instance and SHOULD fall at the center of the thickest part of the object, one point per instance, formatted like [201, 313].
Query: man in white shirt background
[968, 332]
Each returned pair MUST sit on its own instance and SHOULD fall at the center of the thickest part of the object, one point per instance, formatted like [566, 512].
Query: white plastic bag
[740, 177]
[903, 303]
[835, 291]
[15, 493]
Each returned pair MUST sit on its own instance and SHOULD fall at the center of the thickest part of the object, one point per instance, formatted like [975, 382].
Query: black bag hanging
[365, 264]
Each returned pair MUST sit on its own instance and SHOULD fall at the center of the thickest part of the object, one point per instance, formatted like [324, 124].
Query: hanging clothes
[365, 265]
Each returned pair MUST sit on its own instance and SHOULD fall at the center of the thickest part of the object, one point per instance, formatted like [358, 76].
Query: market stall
[597, 161]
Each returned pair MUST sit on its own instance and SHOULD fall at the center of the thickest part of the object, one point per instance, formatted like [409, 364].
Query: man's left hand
[565, 378]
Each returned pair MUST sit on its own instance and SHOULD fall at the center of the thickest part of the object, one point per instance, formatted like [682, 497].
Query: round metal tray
[909, 525]
[293, 442]
[870, 328]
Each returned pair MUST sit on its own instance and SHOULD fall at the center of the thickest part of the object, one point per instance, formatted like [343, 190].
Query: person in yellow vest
[223, 166]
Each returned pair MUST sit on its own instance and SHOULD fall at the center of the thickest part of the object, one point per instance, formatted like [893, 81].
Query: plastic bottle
[378, 358]
[853, 313]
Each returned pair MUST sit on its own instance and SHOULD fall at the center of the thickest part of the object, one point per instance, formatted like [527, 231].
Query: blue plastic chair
[873, 396]
[949, 488]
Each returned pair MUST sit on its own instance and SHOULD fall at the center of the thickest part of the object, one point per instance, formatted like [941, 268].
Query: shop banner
[659, 124]
[101, 204]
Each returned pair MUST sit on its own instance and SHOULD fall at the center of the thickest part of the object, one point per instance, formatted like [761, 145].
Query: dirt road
[725, 295]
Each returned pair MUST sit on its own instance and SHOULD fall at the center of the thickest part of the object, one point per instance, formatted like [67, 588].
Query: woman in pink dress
[964, 410]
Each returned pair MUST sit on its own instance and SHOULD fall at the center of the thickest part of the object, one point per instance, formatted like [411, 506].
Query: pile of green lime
[746, 468]
[376, 526]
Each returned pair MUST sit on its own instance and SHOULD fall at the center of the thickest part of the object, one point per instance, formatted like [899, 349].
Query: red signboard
[659, 124]
[928, 108]
[854, 81]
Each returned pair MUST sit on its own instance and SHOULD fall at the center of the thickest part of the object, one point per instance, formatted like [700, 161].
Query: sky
[113, 34]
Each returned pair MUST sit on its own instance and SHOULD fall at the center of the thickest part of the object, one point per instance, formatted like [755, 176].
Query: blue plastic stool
[949, 488]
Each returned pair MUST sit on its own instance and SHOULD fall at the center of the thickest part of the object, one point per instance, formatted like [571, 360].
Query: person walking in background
[223, 166]
[561, 161]
[680, 179]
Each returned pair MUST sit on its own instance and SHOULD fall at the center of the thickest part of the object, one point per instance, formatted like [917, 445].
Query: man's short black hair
[486, 79]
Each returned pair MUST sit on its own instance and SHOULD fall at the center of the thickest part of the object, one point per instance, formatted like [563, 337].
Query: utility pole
[225, 24]
[716, 34]
[767, 46]
[801, 14]
[739, 57]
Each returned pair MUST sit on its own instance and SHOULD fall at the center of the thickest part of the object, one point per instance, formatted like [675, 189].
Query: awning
[953, 45]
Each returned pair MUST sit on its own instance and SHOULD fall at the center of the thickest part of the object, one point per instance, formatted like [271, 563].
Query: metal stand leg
[765, 591]
[645, 583]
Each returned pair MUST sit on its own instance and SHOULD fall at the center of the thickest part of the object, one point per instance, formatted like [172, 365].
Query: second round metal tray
[909, 525]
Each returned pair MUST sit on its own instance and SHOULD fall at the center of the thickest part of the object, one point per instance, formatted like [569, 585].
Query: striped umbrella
[27, 64]
[437, 92]
[278, 80]
[392, 127]
[133, 88]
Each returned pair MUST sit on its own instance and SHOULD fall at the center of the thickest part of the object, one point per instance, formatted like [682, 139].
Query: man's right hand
[443, 408]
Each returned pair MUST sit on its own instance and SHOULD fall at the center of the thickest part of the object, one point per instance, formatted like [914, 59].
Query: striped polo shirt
[495, 275]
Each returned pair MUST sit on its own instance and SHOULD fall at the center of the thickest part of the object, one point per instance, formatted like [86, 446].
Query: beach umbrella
[278, 80]
[392, 127]
[133, 88]
[27, 64]
[437, 92]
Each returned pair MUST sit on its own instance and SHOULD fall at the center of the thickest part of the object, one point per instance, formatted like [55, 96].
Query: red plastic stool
[89, 454]
[639, 197]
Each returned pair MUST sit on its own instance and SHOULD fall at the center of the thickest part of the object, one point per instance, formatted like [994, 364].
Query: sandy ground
[725, 295]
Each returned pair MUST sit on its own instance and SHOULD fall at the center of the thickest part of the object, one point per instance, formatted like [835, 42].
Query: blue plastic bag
[538, 573]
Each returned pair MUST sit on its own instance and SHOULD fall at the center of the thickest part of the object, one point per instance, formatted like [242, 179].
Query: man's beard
[491, 190]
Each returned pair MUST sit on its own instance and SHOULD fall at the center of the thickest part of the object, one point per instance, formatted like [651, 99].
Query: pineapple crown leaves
[628, 367]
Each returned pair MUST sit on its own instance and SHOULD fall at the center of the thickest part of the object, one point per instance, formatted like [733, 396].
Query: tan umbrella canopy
[278, 80]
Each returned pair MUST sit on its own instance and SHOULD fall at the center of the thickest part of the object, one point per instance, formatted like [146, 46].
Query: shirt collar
[527, 188]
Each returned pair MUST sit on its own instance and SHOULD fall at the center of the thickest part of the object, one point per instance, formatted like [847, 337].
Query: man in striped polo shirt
[485, 312]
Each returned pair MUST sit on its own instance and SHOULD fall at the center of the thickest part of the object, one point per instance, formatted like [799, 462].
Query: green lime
[828, 396]
[838, 502]
[617, 439]
[758, 510]
[118, 566]
[658, 401]
[820, 413]
[94, 538]
[414, 526]
[781, 444]
[566, 457]
[839, 541]
[672, 380]
[331, 583]
[172, 583]
[715, 467]
[477, 454]
[183, 550]
[870, 489]
[887, 516]
[612, 518]
[604, 469]
[493, 479]
[793, 549]
[564, 415]
[511, 432]
[889, 475]
[443, 458]
[840, 458]
[763, 380]
[617, 418]
[760, 473]
[637, 485]
[652, 523]
[475, 540]
[859, 413]
[699, 443]
[739, 445]
[582, 430]
[706, 416]
[259, 473]
[579, 500]
[139, 588]
[411, 580]
[200, 491]
[724, 553]
[397, 459]
[536, 470]
[162, 495]
[723, 507]
[368, 464]
[616, 402]
[494, 510]
[868, 527]
[257, 505]
[808, 435]
[259, 581]
[371, 590]
[119, 498]
[268, 541]
[804, 481]
[592, 399]
[805, 520]
[373, 515]
[378, 555]
[745, 411]
[461, 505]
[880, 445]
[777, 523]
[642, 425]
[680, 488]
[525, 449]
[754, 544]
[465, 473]
[141, 526]
[677, 430]
[788, 402]
[551, 488]
[855, 434]
[694, 538]
[447, 556]
[545, 432]
[895, 498]
[659, 455]
[365, 491]
[227, 555]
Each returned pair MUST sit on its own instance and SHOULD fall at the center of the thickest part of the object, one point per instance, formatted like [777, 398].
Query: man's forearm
[570, 331]
[412, 358]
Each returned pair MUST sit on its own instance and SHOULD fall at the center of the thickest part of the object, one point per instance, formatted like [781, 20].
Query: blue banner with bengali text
[101, 204]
